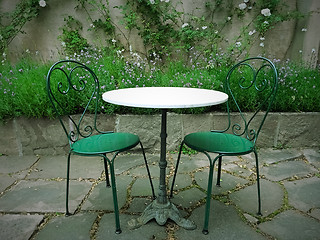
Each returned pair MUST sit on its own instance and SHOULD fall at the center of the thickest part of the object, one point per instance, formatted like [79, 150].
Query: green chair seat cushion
[221, 143]
[105, 143]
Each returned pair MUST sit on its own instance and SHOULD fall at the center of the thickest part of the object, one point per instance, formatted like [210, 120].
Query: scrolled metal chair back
[253, 78]
[73, 88]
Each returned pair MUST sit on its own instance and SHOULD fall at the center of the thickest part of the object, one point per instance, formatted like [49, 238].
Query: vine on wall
[163, 28]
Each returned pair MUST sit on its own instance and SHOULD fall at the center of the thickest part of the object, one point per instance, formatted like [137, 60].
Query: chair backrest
[251, 85]
[73, 88]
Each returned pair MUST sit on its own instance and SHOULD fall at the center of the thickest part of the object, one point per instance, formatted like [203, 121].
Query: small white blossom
[113, 40]
[266, 12]
[300, 51]
[63, 44]
[152, 1]
[27, 51]
[42, 3]
[229, 18]
[92, 26]
[303, 29]
[262, 44]
[204, 27]
[238, 44]
[313, 50]
[262, 38]
[185, 25]
[242, 6]
[266, 22]
[252, 32]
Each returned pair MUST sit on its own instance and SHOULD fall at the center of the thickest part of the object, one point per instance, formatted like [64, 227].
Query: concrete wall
[285, 41]
[24, 136]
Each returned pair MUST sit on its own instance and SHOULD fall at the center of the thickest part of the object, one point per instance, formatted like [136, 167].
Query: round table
[164, 98]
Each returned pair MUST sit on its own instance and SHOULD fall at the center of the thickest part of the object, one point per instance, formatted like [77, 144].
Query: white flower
[303, 29]
[204, 27]
[262, 38]
[185, 25]
[92, 26]
[63, 44]
[266, 12]
[238, 44]
[242, 6]
[152, 1]
[266, 22]
[313, 50]
[27, 51]
[246, 1]
[252, 32]
[300, 51]
[229, 18]
[113, 40]
[42, 3]
[262, 44]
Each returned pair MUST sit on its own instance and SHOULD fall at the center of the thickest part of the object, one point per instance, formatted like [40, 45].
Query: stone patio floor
[32, 197]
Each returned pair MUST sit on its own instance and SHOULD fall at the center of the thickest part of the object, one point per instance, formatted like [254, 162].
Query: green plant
[11, 23]
[22, 86]
[72, 41]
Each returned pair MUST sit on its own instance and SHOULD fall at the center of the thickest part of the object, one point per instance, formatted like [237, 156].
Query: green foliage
[72, 41]
[11, 23]
[22, 87]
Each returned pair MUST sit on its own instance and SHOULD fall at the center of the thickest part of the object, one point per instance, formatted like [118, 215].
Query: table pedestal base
[161, 213]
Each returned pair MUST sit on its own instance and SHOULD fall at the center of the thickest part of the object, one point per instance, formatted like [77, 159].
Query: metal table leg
[161, 209]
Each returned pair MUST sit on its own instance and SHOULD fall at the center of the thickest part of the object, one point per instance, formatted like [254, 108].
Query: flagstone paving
[32, 197]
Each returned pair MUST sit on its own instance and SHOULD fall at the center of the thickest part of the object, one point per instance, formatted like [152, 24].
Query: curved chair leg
[258, 183]
[175, 171]
[209, 191]
[67, 190]
[219, 171]
[106, 170]
[149, 175]
[114, 194]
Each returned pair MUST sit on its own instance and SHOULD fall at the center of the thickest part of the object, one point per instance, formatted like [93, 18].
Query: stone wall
[286, 40]
[22, 136]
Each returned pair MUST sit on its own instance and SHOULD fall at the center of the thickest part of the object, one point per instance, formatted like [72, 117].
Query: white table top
[165, 97]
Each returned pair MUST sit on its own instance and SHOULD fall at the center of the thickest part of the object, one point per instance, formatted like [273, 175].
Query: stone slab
[50, 167]
[18, 227]
[271, 198]
[138, 205]
[227, 182]
[286, 170]
[151, 230]
[188, 198]
[43, 196]
[304, 194]
[313, 156]
[14, 164]
[224, 223]
[65, 228]
[292, 225]
[182, 181]
[269, 156]
[5, 181]
[141, 187]
[101, 197]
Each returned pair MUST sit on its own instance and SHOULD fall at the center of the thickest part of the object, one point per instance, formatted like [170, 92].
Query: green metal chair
[256, 76]
[69, 81]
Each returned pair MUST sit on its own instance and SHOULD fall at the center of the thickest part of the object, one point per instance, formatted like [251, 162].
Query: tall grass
[23, 92]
